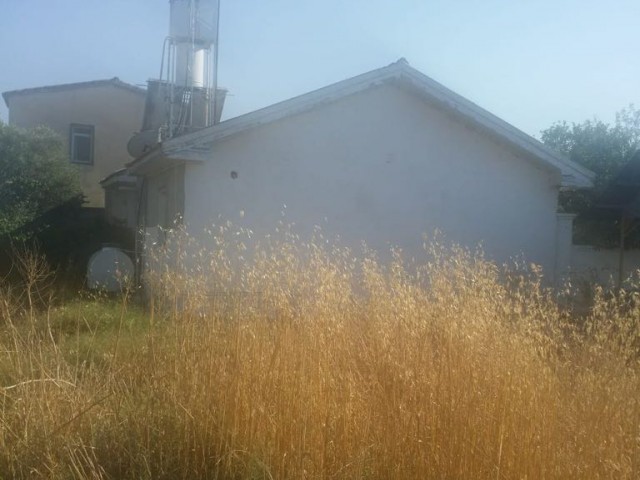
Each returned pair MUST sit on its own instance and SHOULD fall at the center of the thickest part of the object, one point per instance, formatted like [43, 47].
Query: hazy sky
[531, 62]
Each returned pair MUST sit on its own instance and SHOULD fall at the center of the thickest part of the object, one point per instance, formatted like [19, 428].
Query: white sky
[531, 62]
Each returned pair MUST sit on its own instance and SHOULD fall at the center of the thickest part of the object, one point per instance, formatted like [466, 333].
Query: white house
[382, 157]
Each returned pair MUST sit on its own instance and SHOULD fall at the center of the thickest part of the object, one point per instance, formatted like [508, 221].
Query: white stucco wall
[381, 166]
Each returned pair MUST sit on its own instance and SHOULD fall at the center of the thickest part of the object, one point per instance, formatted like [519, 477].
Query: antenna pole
[215, 65]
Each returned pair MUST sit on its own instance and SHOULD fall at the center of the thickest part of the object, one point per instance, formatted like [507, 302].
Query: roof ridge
[115, 81]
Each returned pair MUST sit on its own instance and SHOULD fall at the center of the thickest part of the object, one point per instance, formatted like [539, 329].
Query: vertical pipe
[207, 89]
[215, 63]
[193, 12]
[141, 229]
[621, 254]
[171, 79]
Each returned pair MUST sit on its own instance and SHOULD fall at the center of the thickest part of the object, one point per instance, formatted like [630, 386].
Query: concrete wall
[116, 113]
[600, 266]
[384, 167]
[583, 265]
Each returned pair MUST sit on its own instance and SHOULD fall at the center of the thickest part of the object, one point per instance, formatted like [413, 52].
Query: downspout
[623, 234]
[140, 233]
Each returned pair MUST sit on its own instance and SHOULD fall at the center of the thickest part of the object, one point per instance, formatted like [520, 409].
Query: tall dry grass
[311, 362]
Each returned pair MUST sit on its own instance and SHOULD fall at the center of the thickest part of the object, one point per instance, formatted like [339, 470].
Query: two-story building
[95, 119]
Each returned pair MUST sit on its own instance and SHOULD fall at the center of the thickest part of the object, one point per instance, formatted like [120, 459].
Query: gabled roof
[399, 73]
[114, 82]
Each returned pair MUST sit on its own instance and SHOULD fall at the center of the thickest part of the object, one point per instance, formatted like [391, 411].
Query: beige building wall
[114, 111]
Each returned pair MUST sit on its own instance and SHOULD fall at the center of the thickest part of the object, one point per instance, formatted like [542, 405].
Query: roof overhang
[157, 160]
[120, 180]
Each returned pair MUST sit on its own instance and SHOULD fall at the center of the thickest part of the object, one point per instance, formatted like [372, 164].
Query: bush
[35, 176]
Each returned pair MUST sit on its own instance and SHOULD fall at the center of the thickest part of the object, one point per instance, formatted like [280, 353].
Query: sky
[530, 62]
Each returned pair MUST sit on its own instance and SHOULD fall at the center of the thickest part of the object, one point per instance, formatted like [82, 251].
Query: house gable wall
[384, 167]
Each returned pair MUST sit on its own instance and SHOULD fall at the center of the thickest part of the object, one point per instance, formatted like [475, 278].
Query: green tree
[35, 175]
[604, 149]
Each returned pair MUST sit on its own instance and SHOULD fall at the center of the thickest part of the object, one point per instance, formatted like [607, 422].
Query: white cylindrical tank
[109, 269]
[191, 66]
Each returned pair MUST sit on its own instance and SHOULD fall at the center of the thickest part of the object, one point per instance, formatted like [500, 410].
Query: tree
[35, 175]
[604, 149]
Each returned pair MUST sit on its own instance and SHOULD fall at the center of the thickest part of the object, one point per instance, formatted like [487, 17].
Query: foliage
[322, 364]
[35, 175]
[604, 149]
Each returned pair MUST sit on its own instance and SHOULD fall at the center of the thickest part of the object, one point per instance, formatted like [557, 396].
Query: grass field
[321, 365]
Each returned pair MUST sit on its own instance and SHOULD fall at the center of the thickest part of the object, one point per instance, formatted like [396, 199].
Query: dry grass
[321, 365]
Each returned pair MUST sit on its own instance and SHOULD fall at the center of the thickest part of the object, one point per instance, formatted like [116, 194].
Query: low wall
[601, 265]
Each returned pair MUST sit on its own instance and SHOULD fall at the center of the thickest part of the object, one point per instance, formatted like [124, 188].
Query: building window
[81, 144]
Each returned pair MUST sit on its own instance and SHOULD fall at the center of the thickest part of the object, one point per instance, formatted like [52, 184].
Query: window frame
[73, 133]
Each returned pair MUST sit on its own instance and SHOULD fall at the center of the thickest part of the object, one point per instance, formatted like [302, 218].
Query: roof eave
[120, 178]
[573, 182]
[157, 160]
